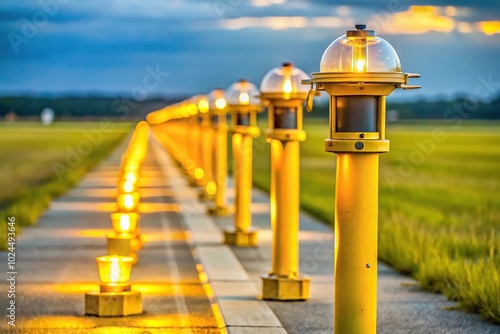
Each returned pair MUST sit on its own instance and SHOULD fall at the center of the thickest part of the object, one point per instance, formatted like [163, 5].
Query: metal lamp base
[240, 238]
[283, 288]
[113, 304]
[218, 210]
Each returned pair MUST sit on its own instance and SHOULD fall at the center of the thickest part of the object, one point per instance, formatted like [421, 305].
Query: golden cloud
[489, 27]
[419, 20]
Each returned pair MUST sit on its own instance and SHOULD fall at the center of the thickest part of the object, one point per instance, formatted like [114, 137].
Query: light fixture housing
[114, 272]
[124, 222]
[244, 104]
[283, 94]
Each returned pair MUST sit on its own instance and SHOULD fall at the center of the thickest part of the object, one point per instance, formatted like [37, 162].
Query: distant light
[220, 103]
[244, 98]
[199, 173]
[203, 106]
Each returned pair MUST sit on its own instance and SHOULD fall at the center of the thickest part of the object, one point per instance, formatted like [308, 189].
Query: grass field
[41, 162]
[439, 200]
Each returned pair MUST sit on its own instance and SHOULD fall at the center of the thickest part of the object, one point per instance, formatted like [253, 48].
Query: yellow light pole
[206, 180]
[243, 104]
[217, 110]
[283, 94]
[192, 140]
[202, 122]
[358, 70]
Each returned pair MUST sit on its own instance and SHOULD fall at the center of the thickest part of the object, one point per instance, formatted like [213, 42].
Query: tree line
[127, 108]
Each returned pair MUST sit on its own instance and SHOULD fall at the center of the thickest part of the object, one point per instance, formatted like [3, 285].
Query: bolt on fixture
[358, 71]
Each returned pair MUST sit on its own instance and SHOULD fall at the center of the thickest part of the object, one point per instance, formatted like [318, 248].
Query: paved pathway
[56, 262]
[189, 280]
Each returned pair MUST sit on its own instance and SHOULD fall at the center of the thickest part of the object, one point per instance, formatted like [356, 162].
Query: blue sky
[69, 46]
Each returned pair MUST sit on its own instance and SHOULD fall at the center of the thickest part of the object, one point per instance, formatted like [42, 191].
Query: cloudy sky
[160, 47]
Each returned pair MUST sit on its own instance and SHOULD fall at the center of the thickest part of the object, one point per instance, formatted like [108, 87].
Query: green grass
[41, 162]
[439, 204]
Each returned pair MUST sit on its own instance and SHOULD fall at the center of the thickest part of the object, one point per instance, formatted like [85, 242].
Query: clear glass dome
[360, 51]
[242, 93]
[217, 100]
[285, 79]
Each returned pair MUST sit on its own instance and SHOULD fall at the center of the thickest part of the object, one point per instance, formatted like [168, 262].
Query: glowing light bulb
[199, 173]
[244, 98]
[124, 222]
[192, 109]
[360, 65]
[114, 271]
[220, 103]
[203, 106]
[360, 55]
[131, 177]
[211, 188]
[128, 201]
[128, 186]
[287, 86]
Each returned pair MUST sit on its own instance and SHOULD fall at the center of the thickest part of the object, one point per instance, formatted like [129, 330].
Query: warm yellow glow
[128, 186]
[220, 103]
[490, 27]
[360, 65]
[211, 188]
[287, 86]
[244, 98]
[114, 271]
[124, 222]
[192, 109]
[131, 177]
[114, 268]
[128, 202]
[203, 106]
[189, 165]
[199, 173]
[419, 20]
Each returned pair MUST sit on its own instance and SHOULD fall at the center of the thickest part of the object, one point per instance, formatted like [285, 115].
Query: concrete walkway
[56, 262]
[191, 283]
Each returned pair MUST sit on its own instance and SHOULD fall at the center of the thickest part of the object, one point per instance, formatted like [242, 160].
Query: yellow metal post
[220, 170]
[244, 105]
[356, 215]
[285, 223]
[242, 175]
[285, 133]
[206, 148]
[217, 113]
[358, 87]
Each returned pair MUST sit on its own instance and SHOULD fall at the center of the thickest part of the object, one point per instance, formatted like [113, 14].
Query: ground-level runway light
[115, 297]
[358, 70]
[217, 112]
[243, 104]
[282, 92]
